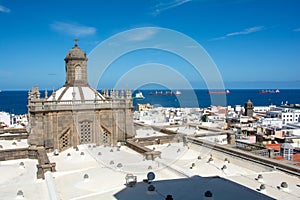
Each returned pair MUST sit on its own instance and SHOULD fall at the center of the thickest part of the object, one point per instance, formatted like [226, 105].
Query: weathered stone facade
[77, 113]
[249, 108]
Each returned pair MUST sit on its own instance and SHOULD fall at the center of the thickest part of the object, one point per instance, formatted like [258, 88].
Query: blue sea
[16, 101]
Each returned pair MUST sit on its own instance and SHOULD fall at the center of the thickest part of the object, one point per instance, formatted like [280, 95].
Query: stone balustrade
[79, 105]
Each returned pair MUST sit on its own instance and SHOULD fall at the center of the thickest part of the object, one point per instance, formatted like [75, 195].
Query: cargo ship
[269, 91]
[167, 93]
[219, 92]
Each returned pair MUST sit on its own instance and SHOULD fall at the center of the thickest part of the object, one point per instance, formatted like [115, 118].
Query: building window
[64, 140]
[105, 137]
[78, 73]
[85, 132]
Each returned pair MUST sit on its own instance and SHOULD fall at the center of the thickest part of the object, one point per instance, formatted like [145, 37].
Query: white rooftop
[173, 171]
[183, 171]
[15, 177]
[142, 133]
[75, 93]
[13, 144]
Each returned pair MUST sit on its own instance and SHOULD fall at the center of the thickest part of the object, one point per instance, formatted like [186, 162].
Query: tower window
[78, 73]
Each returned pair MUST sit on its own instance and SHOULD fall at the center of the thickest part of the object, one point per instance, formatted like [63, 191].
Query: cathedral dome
[76, 54]
[66, 93]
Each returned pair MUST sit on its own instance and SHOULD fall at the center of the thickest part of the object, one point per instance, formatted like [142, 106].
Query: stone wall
[13, 154]
[14, 137]
[65, 128]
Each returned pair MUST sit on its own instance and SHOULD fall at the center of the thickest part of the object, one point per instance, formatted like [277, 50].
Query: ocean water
[201, 98]
[16, 101]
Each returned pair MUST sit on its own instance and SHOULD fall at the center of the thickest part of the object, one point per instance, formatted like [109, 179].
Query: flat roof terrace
[176, 175]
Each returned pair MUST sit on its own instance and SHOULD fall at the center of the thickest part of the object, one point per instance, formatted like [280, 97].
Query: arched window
[78, 73]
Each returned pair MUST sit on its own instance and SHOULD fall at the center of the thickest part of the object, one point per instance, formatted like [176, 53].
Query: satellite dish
[151, 176]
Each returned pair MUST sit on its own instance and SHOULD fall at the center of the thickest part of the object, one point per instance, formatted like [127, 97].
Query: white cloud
[73, 29]
[167, 4]
[4, 9]
[297, 29]
[243, 32]
[140, 34]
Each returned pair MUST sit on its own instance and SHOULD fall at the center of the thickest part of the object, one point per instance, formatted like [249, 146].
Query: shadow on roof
[189, 189]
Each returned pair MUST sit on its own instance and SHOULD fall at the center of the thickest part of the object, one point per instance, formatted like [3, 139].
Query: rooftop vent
[262, 187]
[151, 188]
[22, 165]
[56, 152]
[20, 194]
[86, 177]
[193, 165]
[260, 178]
[119, 165]
[211, 160]
[99, 153]
[284, 185]
[224, 168]
[169, 197]
[208, 194]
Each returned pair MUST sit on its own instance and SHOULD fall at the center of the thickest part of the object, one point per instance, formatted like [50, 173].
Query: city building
[249, 108]
[5, 119]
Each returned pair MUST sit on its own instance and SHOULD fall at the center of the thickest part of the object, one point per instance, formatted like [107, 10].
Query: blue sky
[254, 43]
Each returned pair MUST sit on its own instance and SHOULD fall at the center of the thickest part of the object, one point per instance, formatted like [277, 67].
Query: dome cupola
[76, 87]
[76, 67]
[76, 54]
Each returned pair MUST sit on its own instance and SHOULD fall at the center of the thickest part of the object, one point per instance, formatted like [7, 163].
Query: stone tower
[76, 113]
[248, 108]
[76, 67]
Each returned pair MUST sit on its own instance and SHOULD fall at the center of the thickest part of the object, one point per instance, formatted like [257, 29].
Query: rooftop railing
[39, 105]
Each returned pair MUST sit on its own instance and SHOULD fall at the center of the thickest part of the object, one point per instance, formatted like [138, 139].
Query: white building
[264, 109]
[287, 115]
[274, 122]
[290, 116]
[5, 119]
